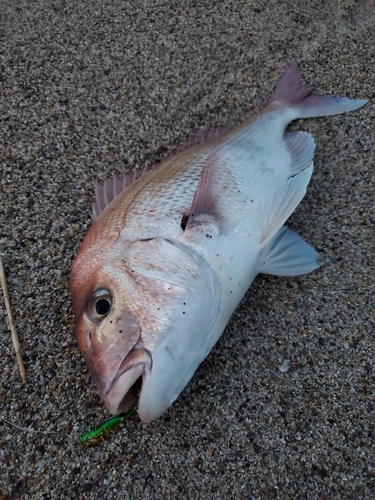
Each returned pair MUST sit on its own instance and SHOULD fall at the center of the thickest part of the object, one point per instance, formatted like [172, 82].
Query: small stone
[361, 77]
[323, 473]
[87, 487]
[284, 367]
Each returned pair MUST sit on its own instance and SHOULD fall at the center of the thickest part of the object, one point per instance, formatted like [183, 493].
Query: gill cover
[187, 309]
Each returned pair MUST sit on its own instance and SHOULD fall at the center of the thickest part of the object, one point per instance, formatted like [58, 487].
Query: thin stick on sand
[15, 340]
[29, 429]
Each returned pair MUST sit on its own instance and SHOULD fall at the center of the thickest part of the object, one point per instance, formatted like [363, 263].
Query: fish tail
[291, 92]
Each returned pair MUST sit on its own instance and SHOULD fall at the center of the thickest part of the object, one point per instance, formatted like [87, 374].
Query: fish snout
[106, 358]
[106, 338]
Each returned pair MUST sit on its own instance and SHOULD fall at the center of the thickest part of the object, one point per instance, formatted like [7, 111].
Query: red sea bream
[173, 249]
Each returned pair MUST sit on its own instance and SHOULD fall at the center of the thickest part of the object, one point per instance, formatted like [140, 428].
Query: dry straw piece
[15, 340]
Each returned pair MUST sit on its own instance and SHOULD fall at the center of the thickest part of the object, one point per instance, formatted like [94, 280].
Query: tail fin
[293, 93]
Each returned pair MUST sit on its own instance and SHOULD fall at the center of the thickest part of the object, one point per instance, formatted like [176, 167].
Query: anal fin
[287, 254]
[301, 146]
[280, 203]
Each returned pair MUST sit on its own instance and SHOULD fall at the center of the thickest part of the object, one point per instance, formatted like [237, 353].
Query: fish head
[141, 311]
[107, 330]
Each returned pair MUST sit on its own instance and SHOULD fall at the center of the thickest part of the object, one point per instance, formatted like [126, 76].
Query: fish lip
[126, 366]
[124, 390]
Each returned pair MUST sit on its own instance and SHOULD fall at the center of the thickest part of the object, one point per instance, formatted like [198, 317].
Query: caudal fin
[293, 93]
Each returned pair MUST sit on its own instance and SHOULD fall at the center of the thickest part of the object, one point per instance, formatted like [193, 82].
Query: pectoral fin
[215, 183]
[287, 254]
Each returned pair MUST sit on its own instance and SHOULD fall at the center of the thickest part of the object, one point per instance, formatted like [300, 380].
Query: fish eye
[102, 307]
[99, 304]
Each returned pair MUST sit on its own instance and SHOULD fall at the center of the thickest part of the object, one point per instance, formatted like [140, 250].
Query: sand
[88, 89]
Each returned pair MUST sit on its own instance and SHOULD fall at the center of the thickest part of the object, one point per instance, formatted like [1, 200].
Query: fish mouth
[127, 383]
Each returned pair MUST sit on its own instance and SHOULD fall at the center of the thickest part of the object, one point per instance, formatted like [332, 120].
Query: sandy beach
[92, 89]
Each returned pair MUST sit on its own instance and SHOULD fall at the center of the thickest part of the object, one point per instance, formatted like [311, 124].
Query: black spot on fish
[170, 352]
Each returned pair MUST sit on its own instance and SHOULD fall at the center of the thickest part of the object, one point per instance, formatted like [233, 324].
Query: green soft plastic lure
[94, 437]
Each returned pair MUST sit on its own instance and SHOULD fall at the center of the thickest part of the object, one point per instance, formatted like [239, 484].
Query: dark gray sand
[89, 89]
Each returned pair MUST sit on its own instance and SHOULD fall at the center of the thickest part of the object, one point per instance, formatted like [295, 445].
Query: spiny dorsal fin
[105, 193]
[204, 135]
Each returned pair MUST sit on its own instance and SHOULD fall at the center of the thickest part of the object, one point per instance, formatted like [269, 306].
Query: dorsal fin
[105, 193]
[204, 135]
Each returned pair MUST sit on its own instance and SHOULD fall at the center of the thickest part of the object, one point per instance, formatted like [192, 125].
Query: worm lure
[95, 436]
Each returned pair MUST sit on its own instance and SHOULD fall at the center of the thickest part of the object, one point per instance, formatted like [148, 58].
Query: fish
[174, 248]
